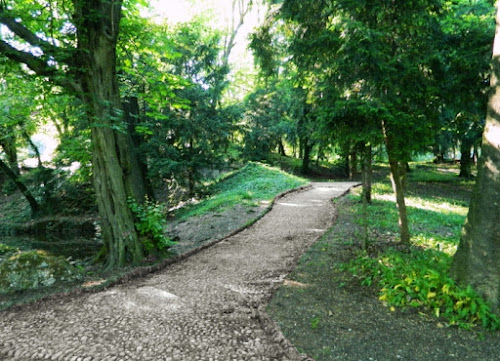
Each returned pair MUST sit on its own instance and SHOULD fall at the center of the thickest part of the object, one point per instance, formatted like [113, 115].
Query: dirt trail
[207, 307]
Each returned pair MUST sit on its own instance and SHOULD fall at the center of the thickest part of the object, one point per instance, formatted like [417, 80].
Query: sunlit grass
[249, 186]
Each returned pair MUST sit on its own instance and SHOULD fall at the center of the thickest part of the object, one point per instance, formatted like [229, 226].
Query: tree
[378, 53]
[73, 45]
[476, 260]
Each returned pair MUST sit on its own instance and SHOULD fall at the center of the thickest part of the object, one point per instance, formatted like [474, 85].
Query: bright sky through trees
[219, 13]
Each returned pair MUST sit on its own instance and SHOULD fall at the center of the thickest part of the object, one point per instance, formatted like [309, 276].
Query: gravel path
[208, 307]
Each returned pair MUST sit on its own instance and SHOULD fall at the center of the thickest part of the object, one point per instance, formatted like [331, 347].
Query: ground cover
[389, 302]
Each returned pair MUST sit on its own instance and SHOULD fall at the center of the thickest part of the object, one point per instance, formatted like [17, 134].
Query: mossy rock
[5, 250]
[34, 269]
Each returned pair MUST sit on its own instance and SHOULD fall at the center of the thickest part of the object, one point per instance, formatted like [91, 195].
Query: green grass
[248, 186]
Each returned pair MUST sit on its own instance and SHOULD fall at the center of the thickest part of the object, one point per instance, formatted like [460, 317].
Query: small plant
[315, 322]
[419, 279]
[150, 223]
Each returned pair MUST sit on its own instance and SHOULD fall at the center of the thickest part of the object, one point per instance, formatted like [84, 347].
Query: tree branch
[39, 66]
[25, 34]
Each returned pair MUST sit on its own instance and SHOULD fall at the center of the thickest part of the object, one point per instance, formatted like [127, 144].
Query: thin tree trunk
[9, 147]
[398, 175]
[367, 171]
[465, 159]
[476, 261]
[353, 164]
[307, 155]
[35, 207]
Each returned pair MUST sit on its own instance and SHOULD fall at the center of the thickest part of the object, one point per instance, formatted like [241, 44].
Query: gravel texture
[210, 306]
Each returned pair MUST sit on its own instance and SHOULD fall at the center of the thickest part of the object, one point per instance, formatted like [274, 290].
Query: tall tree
[476, 261]
[73, 45]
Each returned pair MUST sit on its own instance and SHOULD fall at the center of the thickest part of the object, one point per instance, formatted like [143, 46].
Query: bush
[151, 224]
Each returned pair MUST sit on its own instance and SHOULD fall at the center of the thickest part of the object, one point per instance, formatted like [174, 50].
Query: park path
[210, 306]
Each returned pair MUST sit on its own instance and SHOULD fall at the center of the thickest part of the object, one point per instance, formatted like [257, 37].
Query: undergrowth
[418, 276]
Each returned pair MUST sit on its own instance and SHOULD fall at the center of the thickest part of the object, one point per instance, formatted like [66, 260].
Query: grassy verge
[248, 186]
[411, 280]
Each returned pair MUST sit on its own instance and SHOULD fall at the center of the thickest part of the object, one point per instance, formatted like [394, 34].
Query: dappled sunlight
[419, 203]
[317, 230]
[290, 283]
[435, 243]
[291, 204]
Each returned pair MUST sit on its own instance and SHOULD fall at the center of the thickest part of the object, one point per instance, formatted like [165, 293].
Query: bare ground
[210, 306]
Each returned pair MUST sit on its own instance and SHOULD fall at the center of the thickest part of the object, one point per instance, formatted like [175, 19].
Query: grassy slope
[247, 186]
[437, 206]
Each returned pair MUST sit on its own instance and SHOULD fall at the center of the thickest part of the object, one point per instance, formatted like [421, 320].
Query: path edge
[269, 326]
[142, 271]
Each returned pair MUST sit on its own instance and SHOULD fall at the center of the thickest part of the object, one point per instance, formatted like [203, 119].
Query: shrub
[151, 224]
[419, 279]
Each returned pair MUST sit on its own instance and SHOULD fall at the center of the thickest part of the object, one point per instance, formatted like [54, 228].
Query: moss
[34, 269]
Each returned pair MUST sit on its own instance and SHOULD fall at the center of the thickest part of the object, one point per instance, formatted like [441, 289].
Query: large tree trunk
[111, 153]
[477, 259]
[398, 180]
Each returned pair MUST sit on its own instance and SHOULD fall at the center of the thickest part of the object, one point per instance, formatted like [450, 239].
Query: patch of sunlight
[449, 170]
[437, 244]
[291, 204]
[439, 207]
[291, 283]
[434, 206]
[317, 230]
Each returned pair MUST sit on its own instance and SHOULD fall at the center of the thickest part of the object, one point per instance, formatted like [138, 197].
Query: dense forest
[143, 116]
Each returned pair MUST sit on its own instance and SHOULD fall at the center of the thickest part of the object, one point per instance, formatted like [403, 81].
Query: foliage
[248, 186]
[151, 225]
[419, 279]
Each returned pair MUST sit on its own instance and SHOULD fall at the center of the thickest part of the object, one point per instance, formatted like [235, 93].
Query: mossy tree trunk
[477, 259]
[114, 173]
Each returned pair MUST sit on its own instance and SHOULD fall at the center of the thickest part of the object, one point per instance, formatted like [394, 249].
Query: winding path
[211, 306]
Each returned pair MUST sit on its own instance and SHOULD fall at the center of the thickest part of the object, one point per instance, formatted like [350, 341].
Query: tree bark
[398, 175]
[367, 171]
[111, 153]
[477, 259]
[465, 159]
